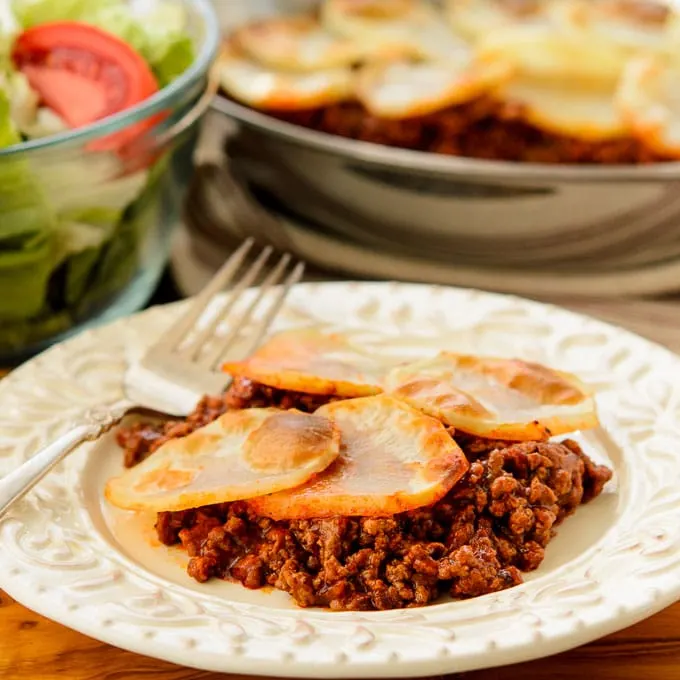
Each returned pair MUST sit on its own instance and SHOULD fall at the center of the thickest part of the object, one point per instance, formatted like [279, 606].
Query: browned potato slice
[403, 89]
[240, 455]
[648, 101]
[393, 458]
[495, 398]
[265, 88]
[295, 44]
[310, 361]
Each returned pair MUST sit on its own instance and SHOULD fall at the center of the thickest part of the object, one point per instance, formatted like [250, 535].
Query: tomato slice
[82, 72]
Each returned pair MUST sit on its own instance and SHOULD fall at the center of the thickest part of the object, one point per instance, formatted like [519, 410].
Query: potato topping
[393, 458]
[310, 361]
[495, 398]
[648, 100]
[240, 455]
[265, 88]
[567, 68]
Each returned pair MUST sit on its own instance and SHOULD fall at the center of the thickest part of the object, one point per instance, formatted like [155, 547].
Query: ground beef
[493, 525]
[484, 128]
[244, 393]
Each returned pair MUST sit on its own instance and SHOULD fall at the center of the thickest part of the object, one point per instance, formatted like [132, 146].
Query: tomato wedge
[82, 72]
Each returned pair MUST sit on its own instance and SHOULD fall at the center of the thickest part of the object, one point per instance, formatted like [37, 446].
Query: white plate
[65, 555]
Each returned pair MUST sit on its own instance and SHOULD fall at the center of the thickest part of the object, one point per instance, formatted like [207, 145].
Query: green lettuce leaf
[89, 182]
[159, 36]
[33, 12]
[80, 246]
[68, 234]
[26, 231]
[9, 27]
[119, 20]
[168, 48]
[8, 131]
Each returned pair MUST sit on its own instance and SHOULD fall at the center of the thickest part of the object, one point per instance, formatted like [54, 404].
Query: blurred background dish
[218, 215]
[351, 208]
[87, 204]
[364, 209]
[545, 82]
[239, 190]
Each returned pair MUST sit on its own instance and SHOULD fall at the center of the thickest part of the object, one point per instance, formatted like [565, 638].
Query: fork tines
[205, 347]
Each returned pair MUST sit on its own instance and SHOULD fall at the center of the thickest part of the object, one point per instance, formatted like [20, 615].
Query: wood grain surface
[34, 648]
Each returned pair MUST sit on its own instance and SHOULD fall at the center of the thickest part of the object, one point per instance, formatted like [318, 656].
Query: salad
[72, 223]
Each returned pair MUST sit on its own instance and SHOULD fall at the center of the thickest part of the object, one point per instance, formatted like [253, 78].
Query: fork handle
[90, 426]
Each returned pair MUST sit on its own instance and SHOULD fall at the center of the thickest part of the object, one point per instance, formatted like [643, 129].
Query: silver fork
[180, 367]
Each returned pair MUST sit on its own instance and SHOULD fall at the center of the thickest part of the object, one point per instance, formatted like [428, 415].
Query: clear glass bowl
[85, 224]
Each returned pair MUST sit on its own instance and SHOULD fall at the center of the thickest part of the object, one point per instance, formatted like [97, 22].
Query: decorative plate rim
[54, 563]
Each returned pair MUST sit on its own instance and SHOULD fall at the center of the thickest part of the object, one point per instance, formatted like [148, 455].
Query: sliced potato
[396, 28]
[240, 455]
[402, 89]
[310, 361]
[475, 18]
[648, 101]
[632, 25]
[495, 398]
[296, 44]
[393, 459]
[264, 88]
[555, 53]
[577, 109]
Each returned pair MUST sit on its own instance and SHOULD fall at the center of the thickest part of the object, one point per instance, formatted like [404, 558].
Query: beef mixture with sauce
[484, 129]
[493, 525]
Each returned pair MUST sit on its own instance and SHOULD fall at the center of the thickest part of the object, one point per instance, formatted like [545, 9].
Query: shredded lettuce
[158, 35]
[168, 48]
[33, 12]
[169, 56]
[64, 217]
[26, 230]
[31, 119]
[91, 202]
[87, 181]
[117, 18]
[79, 246]
[45, 123]
[9, 134]
[23, 100]
[71, 233]
[9, 27]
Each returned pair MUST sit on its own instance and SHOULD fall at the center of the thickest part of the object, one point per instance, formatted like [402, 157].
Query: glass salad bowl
[86, 213]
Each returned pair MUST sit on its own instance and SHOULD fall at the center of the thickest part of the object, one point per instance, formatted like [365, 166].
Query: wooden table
[34, 648]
